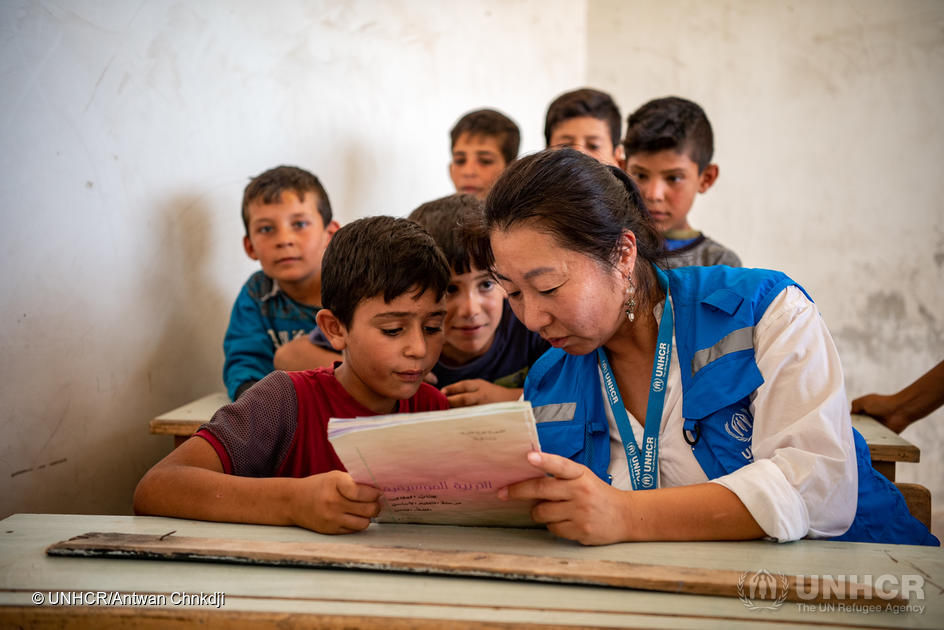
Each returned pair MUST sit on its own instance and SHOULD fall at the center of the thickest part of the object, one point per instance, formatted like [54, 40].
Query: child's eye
[432, 330]
[391, 332]
[452, 289]
[639, 177]
[458, 161]
[486, 285]
[486, 162]
[674, 179]
[300, 224]
[593, 147]
[265, 229]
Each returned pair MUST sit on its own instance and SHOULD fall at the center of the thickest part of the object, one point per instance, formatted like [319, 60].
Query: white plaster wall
[829, 132]
[128, 131]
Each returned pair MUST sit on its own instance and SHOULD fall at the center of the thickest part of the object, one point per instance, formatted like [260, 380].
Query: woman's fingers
[555, 465]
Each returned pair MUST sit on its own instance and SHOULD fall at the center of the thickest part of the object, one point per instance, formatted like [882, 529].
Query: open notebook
[443, 467]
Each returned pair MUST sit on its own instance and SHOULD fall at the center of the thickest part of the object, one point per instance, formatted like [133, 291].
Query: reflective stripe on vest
[555, 412]
[734, 341]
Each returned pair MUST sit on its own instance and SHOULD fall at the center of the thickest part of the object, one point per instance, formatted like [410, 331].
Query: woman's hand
[574, 502]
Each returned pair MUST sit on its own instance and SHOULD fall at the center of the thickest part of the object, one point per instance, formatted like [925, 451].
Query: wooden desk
[183, 421]
[335, 598]
[885, 446]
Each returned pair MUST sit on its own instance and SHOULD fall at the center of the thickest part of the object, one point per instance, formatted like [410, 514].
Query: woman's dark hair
[584, 205]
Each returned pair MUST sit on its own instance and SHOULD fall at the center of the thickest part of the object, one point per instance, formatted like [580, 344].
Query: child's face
[669, 181]
[473, 311]
[588, 135]
[288, 237]
[389, 348]
[476, 163]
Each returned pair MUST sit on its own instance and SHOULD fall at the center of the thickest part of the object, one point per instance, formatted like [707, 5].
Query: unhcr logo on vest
[662, 366]
[740, 426]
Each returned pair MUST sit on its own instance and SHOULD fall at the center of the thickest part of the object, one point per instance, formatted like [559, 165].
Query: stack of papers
[443, 467]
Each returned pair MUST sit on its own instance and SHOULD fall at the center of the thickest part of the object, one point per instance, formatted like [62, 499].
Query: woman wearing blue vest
[702, 403]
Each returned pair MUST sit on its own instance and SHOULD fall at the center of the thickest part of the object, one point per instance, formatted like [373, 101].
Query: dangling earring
[629, 306]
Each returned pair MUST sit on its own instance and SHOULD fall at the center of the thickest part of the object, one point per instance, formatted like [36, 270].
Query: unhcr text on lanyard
[644, 471]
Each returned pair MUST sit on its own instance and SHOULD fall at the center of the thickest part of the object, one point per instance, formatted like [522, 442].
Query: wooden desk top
[268, 595]
[884, 444]
[186, 419]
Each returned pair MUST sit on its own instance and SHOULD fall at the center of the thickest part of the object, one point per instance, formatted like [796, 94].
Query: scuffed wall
[129, 131]
[829, 134]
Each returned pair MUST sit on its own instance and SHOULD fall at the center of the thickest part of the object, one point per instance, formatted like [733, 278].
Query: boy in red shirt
[266, 458]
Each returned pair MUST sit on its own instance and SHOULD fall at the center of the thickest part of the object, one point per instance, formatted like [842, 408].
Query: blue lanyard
[643, 474]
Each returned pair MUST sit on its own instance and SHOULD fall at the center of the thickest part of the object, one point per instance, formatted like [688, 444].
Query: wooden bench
[918, 499]
[886, 447]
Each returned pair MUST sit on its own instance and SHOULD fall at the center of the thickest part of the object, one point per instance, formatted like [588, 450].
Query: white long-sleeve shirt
[803, 480]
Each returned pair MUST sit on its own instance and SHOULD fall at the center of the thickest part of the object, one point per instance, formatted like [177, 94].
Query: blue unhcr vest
[716, 309]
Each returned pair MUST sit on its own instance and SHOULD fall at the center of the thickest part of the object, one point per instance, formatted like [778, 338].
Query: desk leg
[886, 468]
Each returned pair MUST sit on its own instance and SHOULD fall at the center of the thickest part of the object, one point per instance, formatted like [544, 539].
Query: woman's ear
[626, 260]
[332, 328]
